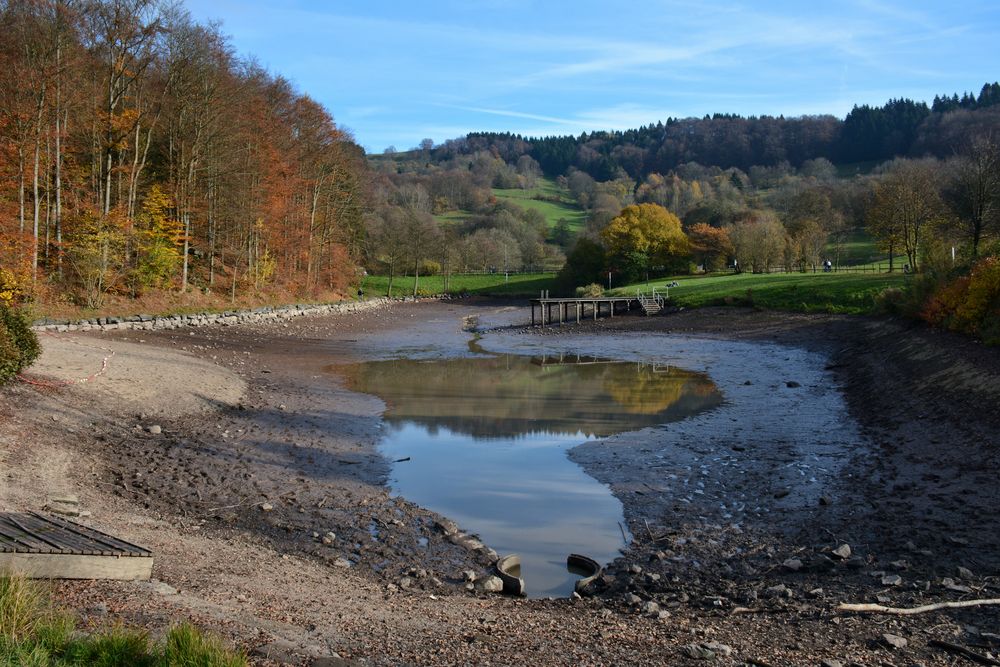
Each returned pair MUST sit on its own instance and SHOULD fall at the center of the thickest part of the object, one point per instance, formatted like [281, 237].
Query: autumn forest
[138, 153]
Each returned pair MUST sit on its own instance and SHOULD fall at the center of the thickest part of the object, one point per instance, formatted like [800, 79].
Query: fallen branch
[123, 485]
[757, 610]
[880, 609]
[229, 507]
[961, 650]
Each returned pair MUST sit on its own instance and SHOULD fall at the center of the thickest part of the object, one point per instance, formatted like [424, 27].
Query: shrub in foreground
[33, 633]
[969, 304]
[18, 343]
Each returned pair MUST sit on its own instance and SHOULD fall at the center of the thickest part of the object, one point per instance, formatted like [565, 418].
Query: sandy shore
[865, 432]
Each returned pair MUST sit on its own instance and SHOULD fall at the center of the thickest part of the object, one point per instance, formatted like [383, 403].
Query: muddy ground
[264, 495]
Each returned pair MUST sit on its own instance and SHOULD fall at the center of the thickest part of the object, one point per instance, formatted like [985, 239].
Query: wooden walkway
[569, 309]
[43, 546]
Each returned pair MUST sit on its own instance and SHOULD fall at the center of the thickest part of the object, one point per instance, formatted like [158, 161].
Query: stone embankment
[229, 318]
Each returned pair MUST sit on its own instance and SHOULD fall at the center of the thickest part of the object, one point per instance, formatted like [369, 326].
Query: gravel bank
[899, 464]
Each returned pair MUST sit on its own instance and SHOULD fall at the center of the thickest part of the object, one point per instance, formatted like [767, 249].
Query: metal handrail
[653, 296]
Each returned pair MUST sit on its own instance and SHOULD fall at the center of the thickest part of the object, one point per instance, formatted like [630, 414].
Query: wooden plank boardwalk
[46, 546]
[575, 309]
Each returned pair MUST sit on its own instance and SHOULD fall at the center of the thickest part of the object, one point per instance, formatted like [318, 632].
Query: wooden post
[594, 306]
[577, 312]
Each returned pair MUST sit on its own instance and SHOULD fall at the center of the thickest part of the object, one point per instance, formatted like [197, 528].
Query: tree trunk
[34, 185]
[232, 296]
[20, 185]
[211, 234]
[58, 156]
[187, 245]
[58, 216]
[107, 183]
[48, 200]
[312, 225]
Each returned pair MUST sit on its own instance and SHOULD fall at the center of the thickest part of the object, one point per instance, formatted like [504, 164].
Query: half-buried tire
[509, 570]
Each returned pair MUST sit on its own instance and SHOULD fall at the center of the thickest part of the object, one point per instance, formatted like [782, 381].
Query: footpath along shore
[737, 557]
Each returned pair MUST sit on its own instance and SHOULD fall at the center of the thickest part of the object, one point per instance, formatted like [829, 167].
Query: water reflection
[486, 439]
[513, 395]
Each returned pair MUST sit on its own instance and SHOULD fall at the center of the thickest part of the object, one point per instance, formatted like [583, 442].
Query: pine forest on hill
[142, 161]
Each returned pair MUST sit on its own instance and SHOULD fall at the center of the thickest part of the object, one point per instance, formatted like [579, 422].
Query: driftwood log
[904, 611]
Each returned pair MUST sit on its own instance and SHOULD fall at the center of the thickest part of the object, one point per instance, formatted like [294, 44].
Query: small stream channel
[483, 441]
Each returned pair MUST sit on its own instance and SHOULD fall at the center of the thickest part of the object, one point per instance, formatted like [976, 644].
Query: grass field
[452, 217]
[526, 199]
[553, 211]
[852, 293]
[517, 285]
[858, 249]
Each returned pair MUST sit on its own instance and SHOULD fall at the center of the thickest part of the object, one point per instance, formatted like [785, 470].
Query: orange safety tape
[67, 383]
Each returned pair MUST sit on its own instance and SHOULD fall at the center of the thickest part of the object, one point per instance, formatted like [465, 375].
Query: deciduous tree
[711, 246]
[758, 241]
[645, 237]
[906, 203]
[974, 191]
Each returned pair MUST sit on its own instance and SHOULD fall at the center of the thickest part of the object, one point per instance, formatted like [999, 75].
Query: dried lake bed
[830, 431]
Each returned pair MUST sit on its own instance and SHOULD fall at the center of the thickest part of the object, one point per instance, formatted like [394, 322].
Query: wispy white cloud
[616, 117]
[510, 114]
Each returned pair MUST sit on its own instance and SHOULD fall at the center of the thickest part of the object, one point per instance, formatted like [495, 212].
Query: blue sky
[397, 72]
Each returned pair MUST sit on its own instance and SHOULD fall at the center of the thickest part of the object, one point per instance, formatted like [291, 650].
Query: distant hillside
[900, 127]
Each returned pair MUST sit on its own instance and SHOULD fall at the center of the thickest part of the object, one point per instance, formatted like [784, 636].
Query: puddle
[484, 439]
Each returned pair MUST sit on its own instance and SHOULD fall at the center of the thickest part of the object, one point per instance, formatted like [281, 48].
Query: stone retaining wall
[229, 318]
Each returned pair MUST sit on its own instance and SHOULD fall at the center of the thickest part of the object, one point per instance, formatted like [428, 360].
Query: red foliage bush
[969, 304]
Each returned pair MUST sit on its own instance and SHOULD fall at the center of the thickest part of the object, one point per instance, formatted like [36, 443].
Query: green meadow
[852, 293]
[550, 200]
[493, 284]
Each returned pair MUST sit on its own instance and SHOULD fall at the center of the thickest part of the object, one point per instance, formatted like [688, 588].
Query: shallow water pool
[484, 440]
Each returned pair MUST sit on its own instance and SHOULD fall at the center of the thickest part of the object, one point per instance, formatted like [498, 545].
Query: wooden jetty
[651, 301]
[569, 308]
[48, 547]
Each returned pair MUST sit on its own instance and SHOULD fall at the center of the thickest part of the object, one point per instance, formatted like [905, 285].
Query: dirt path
[898, 461]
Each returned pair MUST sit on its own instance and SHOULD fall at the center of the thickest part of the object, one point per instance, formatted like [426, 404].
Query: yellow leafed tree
[159, 238]
[646, 237]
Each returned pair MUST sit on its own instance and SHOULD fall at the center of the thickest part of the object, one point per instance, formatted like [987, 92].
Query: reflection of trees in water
[509, 395]
[653, 389]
